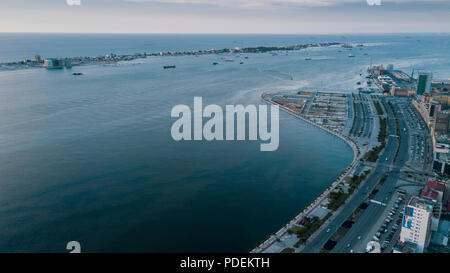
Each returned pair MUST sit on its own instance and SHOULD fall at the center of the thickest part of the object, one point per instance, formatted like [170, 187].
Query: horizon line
[224, 33]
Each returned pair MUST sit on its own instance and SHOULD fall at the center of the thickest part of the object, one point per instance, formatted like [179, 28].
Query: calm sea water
[91, 158]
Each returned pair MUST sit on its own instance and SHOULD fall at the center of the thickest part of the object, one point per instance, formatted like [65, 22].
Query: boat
[308, 59]
[351, 55]
[169, 66]
[358, 83]
[241, 63]
[214, 63]
[77, 73]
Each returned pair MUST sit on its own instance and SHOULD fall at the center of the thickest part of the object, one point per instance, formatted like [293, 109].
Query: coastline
[319, 199]
[111, 58]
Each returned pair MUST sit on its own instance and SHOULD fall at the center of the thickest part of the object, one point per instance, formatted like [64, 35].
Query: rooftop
[420, 203]
[435, 185]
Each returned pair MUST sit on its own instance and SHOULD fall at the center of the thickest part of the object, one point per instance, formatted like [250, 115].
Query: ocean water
[91, 158]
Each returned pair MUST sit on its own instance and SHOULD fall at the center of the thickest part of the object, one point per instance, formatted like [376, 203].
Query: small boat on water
[215, 63]
[308, 59]
[77, 73]
[351, 55]
[169, 66]
[241, 63]
[358, 83]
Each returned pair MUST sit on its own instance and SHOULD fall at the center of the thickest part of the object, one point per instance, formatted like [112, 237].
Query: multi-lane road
[373, 212]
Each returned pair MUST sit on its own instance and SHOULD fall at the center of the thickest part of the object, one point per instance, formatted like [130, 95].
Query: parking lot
[420, 150]
[389, 232]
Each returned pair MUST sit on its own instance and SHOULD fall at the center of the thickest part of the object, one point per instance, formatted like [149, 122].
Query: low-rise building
[404, 247]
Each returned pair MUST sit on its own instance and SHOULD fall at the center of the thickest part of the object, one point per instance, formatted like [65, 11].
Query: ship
[77, 74]
[169, 66]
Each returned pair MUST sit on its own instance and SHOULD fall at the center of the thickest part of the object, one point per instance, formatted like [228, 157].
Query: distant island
[67, 62]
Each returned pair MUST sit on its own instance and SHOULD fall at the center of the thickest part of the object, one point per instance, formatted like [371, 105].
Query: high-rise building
[442, 122]
[416, 226]
[424, 83]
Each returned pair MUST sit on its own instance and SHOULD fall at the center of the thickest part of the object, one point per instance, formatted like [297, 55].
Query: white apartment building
[416, 225]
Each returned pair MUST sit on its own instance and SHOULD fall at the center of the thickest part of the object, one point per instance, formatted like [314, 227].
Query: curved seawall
[316, 202]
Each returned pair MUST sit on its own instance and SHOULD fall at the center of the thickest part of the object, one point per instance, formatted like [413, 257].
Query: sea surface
[91, 158]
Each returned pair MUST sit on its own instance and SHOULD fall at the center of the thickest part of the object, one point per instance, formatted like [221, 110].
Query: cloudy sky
[225, 16]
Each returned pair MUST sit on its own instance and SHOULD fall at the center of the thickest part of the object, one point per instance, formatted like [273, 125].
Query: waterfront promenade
[324, 195]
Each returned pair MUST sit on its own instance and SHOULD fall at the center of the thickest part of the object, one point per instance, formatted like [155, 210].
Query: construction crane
[415, 70]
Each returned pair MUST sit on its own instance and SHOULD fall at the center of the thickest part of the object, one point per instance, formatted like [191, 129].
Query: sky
[225, 16]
